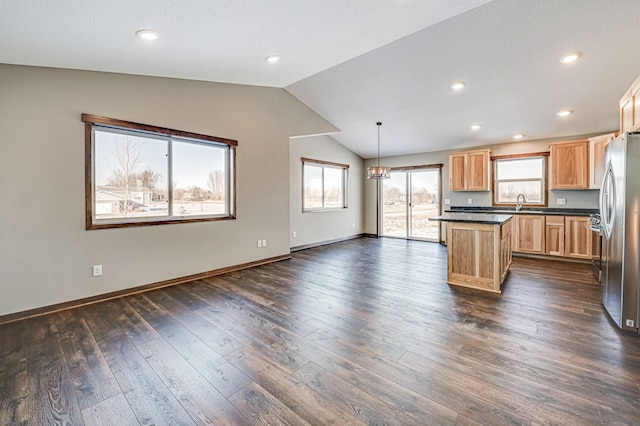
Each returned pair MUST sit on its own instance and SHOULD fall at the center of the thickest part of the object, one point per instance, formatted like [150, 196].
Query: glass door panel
[424, 203]
[394, 205]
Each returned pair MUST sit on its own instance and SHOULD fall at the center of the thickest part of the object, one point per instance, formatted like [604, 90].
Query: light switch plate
[470, 201]
[96, 270]
[561, 201]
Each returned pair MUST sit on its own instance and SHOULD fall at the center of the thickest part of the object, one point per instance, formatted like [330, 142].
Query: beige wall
[574, 199]
[45, 252]
[317, 227]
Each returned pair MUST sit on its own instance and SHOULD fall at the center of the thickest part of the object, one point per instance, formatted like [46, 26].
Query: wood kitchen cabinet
[470, 170]
[570, 236]
[555, 235]
[569, 165]
[597, 146]
[630, 108]
[478, 250]
[529, 234]
[578, 237]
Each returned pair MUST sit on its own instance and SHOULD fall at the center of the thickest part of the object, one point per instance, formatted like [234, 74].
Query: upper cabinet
[569, 165]
[597, 145]
[470, 170]
[630, 108]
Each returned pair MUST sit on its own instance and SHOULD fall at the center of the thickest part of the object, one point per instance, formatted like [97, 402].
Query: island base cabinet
[479, 255]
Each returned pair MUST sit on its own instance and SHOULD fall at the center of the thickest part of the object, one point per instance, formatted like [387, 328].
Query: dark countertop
[527, 210]
[489, 219]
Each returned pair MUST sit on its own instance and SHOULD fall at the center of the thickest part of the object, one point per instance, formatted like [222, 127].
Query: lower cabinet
[578, 238]
[529, 234]
[478, 254]
[569, 236]
[505, 248]
[555, 235]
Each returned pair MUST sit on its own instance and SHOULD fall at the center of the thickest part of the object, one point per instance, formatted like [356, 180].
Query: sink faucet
[519, 201]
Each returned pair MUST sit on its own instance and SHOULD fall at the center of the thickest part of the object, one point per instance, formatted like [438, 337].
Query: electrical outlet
[96, 270]
[294, 234]
[259, 243]
[470, 201]
[447, 201]
[264, 243]
[629, 323]
[561, 201]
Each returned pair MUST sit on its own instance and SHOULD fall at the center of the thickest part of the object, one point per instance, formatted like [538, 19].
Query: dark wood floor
[359, 332]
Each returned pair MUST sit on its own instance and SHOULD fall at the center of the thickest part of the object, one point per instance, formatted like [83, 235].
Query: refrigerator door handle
[607, 201]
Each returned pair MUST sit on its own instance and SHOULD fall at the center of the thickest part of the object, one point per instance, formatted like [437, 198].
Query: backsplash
[587, 199]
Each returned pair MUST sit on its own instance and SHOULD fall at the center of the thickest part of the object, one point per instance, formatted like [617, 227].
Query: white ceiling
[356, 62]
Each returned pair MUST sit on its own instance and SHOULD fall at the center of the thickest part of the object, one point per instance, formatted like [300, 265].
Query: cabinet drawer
[555, 220]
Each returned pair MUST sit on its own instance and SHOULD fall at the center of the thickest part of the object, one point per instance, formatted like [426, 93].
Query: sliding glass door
[409, 199]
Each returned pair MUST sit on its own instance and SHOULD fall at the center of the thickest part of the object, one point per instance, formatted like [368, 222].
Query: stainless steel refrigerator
[619, 204]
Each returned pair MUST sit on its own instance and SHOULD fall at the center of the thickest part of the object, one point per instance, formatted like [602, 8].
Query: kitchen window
[520, 174]
[324, 185]
[140, 175]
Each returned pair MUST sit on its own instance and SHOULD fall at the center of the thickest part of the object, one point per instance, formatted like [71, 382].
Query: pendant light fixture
[378, 171]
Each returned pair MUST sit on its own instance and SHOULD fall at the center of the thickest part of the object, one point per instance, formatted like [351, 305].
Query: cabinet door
[478, 171]
[457, 176]
[626, 114]
[555, 235]
[530, 234]
[505, 248]
[630, 108]
[635, 98]
[578, 240]
[570, 165]
[597, 146]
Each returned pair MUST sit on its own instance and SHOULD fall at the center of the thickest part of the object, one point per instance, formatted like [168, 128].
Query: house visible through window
[145, 175]
[524, 175]
[324, 185]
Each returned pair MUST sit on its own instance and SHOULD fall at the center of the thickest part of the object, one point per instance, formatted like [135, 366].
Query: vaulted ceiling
[360, 61]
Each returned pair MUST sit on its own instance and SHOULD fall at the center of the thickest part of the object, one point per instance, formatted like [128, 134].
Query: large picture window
[515, 175]
[145, 175]
[324, 185]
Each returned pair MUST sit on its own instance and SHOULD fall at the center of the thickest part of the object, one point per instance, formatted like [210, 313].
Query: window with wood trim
[140, 175]
[324, 185]
[520, 174]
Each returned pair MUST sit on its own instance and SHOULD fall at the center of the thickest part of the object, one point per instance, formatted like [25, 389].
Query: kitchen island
[478, 249]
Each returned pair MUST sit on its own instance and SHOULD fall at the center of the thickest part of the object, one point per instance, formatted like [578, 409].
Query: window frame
[345, 184]
[544, 179]
[93, 122]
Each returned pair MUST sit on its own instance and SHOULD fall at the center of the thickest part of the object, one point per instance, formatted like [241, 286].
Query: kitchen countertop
[527, 210]
[489, 219]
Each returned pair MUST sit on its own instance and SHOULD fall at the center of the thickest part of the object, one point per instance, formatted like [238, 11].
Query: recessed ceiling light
[570, 57]
[272, 59]
[564, 112]
[148, 34]
[458, 85]
[475, 127]
[518, 136]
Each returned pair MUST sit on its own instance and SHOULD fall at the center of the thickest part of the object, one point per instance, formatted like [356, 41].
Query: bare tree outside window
[215, 182]
[127, 154]
[149, 179]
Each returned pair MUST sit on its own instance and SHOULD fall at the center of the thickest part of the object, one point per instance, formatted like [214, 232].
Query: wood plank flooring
[359, 332]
